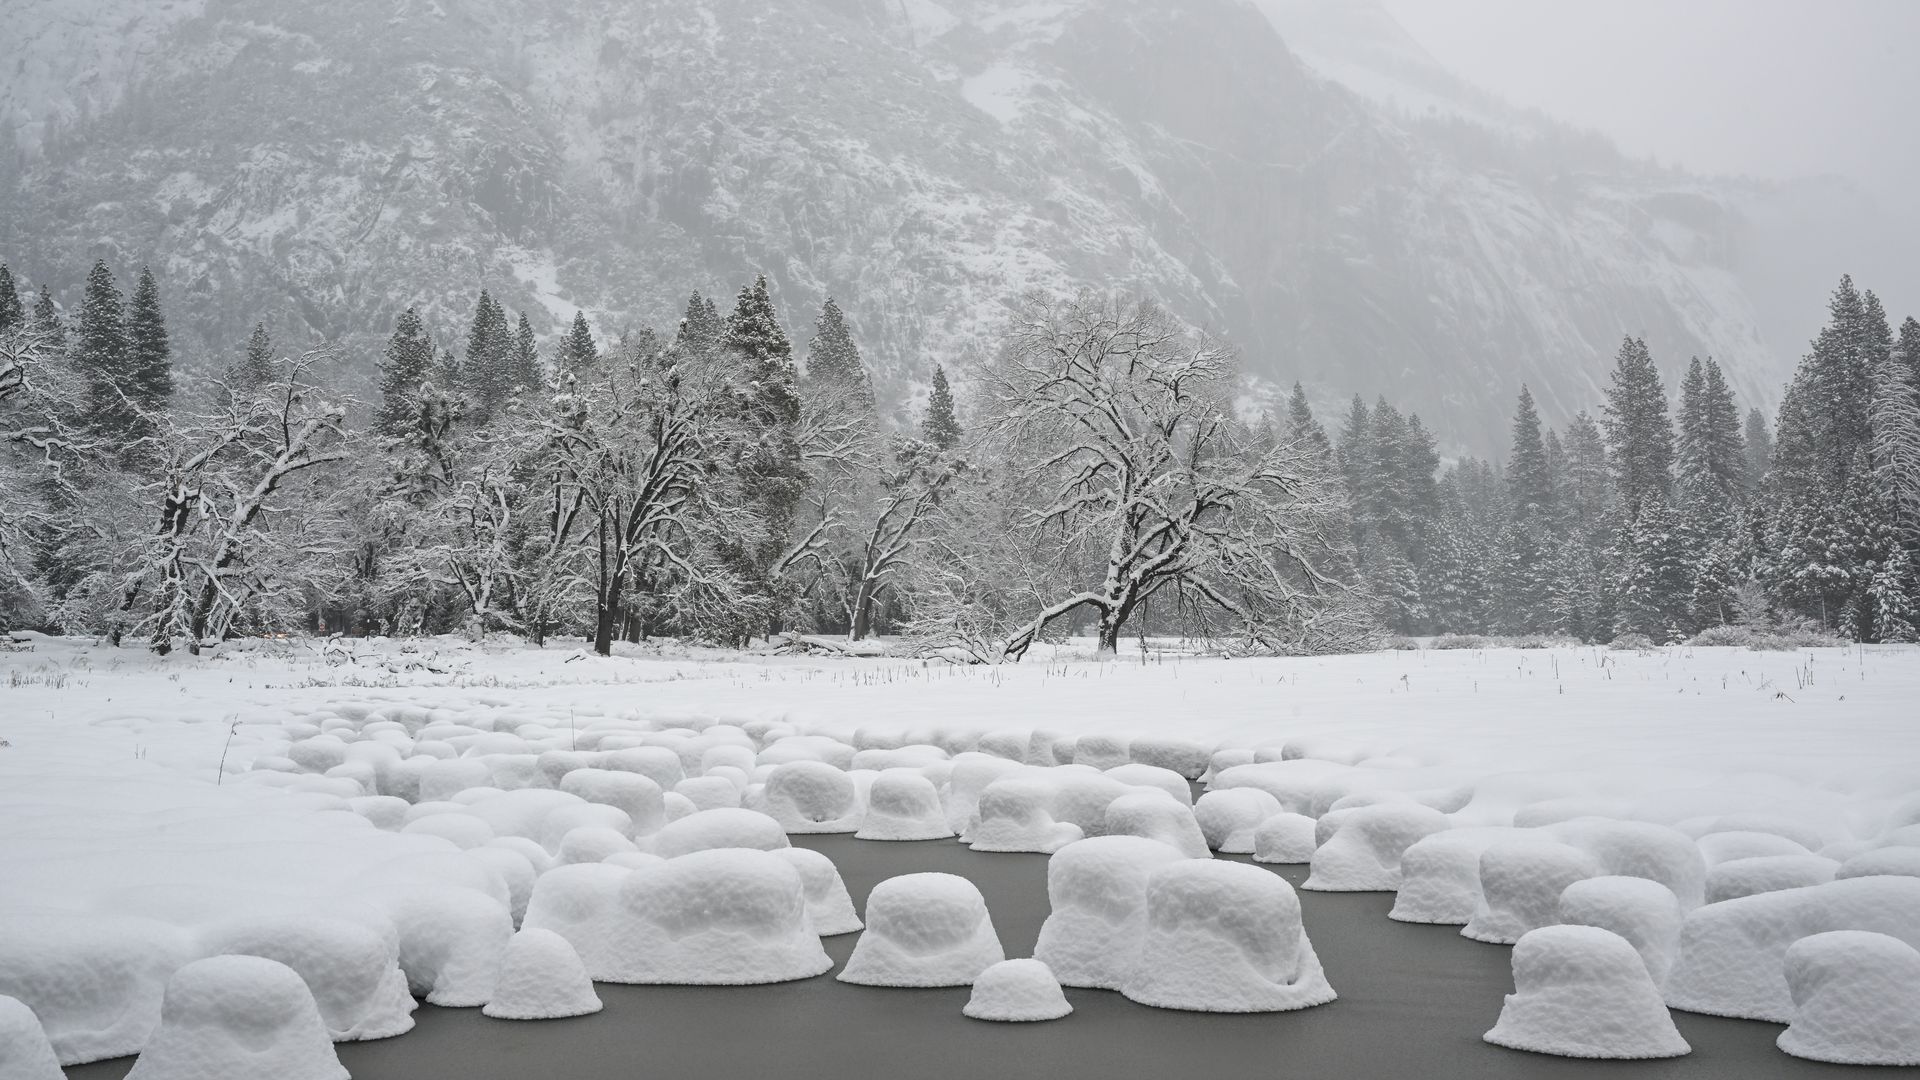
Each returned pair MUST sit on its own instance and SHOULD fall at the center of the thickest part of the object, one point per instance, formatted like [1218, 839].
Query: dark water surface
[1414, 1001]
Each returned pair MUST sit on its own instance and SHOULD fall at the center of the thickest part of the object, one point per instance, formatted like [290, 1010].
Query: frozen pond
[1414, 1001]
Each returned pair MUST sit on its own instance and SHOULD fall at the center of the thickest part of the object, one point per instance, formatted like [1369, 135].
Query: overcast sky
[1772, 88]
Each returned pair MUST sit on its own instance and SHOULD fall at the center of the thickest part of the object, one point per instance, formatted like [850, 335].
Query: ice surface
[1363, 854]
[721, 828]
[726, 916]
[25, 1053]
[1580, 991]
[811, 797]
[1733, 954]
[1097, 889]
[1856, 999]
[903, 805]
[238, 1018]
[1224, 937]
[1735, 878]
[541, 978]
[924, 930]
[1440, 875]
[1520, 885]
[352, 969]
[828, 904]
[1156, 816]
[1017, 990]
[1228, 818]
[1644, 912]
[1285, 837]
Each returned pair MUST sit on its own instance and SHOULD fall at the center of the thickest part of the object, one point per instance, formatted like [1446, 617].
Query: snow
[1363, 854]
[1224, 937]
[1286, 837]
[1440, 875]
[1580, 991]
[1520, 885]
[1017, 990]
[638, 796]
[1016, 814]
[1856, 999]
[581, 903]
[238, 1018]
[725, 916]
[1733, 954]
[722, 828]
[1902, 861]
[972, 772]
[25, 1053]
[1735, 878]
[1228, 818]
[1097, 892]
[1645, 913]
[829, 906]
[1151, 813]
[541, 978]
[352, 969]
[811, 797]
[903, 805]
[924, 930]
[999, 91]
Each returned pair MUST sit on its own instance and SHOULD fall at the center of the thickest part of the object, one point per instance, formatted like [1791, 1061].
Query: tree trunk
[1111, 620]
[606, 619]
[862, 611]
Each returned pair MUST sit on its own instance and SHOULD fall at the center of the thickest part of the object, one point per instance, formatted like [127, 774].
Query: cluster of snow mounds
[1520, 886]
[723, 916]
[1097, 889]
[924, 930]
[1017, 990]
[1733, 954]
[1224, 937]
[1580, 991]
[25, 1053]
[238, 1018]
[1644, 913]
[1363, 854]
[541, 978]
[1228, 819]
[1856, 999]
[353, 970]
[1440, 875]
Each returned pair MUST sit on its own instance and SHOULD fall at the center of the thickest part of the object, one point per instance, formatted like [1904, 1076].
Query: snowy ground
[109, 806]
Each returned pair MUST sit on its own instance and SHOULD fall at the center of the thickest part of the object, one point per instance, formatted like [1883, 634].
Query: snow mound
[903, 805]
[451, 939]
[1735, 878]
[724, 917]
[1016, 814]
[541, 978]
[1641, 849]
[1363, 854]
[238, 1018]
[913, 756]
[1224, 937]
[1184, 756]
[593, 843]
[1440, 875]
[1733, 954]
[708, 793]
[656, 763]
[1153, 776]
[1153, 815]
[924, 930]
[1726, 846]
[972, 772]
[828, 905]
[1856, 999]
[1017, 990]
[807, 748]
[1228, 818]
[1580, 991]
[582, 904]
[637, 795]
[1520, 886]
[25, 1053]
[725, 827]
[1285, 837]
[352, 970]
[811, 797]
[1302, 786]
[459, 829]
[1100, 751]
[95, 983]
[1097, 889]
[1886, 861]
[1645, 913]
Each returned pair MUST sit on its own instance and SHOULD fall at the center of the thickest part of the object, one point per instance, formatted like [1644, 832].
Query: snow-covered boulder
[25, 1052]
[1223, 759]
[1097, 889]
[1016, 814]
[1017, 990]
[1153, 815]
[972, 772]
[914, 756]
[1641, 849]
[451, 938]
[444, 779]
[352, 969]
[828, 904]
[1101, 752]
[708, 793]
[238, 1018]
[1440, 875]
[641, 798]
[1228, 818]
[582, 904]
[811, 797]
[1224, 937]
[656, 763]
[461, 830]
[1302, 786]
[924, 930]
[903, 805]
[1007, 745]
[1882, 862]
[593, 843]
[1645, 913]
[95, 982]
[807, 748]
[1797, 830]
[1183, 756]
[1733, 954]
[1520, 886]
[1580, 991]
[1856, 999]
[1363, 854]
[1735, 878]
[726, 827]
[728, 916]
[1285, 837]
[541, 978]
[1731, 844]
[1153, 776]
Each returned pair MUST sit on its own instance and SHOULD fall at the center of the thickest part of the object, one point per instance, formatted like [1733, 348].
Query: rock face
[921, 161]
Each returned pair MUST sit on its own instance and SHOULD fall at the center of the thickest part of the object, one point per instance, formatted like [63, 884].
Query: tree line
[701, 483]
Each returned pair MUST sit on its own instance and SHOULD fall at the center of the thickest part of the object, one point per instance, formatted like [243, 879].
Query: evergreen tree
[772, 473]
[150, 377]
[702, 331]
[1357, 467]
[1656, 588]
[1521, 583]
[1895, 416]
[46, 320]
[11, 313]
[1587, 486]
[487, 369]
[525, 367]
[833, 361]
[1529, 475]
[577, 350]
[1759, 452]
[1638, 431]
[406, 365]
[1302, 429]
[256, 367]
[103, 357]
[940, 426]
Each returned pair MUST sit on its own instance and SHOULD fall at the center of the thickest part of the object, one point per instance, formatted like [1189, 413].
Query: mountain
[324, 164]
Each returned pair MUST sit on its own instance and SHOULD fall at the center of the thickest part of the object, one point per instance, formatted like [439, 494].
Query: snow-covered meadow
[495, 826]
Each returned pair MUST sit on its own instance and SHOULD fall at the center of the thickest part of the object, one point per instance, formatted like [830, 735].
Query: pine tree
[701, 329]
[46, 320]
[1302, 429]
[407, 364]
[939, 425]
[1638, 431]
[525, 368]
[1759, 452]
[762, 356]
[102, 356]
[11, 313]
[577, 350]
[833, 361]
[150, 377]
[256, 367]
[1895, 417]
[1587, 485]
[487, 369]
[1656, 587]
[1529, 475]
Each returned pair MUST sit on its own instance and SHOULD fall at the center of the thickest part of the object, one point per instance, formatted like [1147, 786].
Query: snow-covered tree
[1656, 586]
[1529, 474]
[149, 353]
[102, 354]
[940, 426]
[12, 314]
[256, 367]
[577, 351]
[1639, 434]
[407, 363]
